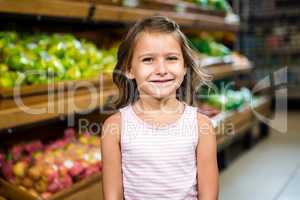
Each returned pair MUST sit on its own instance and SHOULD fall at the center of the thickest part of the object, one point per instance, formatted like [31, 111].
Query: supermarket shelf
[129, 15]
[26, 90]
[232, 125]
[46, 107]
[110, 13]
[221, 71]
[53, 8]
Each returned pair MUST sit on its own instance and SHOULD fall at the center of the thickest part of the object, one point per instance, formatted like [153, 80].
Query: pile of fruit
[44, 169]
[209, 47]
[216, 5]
[42, 58]
[227, 100]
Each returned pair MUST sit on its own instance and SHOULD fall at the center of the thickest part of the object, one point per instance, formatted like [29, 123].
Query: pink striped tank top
[159, 162]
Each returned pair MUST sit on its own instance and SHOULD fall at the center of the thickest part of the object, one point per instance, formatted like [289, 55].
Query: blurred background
[56, 89]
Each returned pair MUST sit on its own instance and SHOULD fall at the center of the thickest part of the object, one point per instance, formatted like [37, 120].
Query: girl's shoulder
[205, 125]
[111, 129]
[113, 122]
[202, 118]
[116, 117]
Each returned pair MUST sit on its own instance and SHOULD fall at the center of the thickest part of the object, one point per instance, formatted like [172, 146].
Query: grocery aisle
[270, 171]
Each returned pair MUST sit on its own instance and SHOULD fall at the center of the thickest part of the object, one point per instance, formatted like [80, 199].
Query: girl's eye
[147, 60]
[172, 58]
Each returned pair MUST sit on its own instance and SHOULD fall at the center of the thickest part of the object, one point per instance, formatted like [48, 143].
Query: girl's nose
[161, 68]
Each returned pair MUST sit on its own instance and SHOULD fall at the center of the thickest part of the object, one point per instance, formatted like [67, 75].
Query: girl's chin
[163, 94]
[159, 92]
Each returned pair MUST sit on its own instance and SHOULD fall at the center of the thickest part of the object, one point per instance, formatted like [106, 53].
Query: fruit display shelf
[24, 90]
[67, 167]
[109, 13]
[231, 125]
[221, 71]
[61, 104]
[223, 67]
[54, 8]
[81, 190]
[129, 15]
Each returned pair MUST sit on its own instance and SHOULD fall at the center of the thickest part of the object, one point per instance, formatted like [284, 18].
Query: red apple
[33, 146]
[89, 171]
[16, 151]
[54, 186]
[7, 170]
[49, 174]
[76, 169]
[66, 181]
[69, 133]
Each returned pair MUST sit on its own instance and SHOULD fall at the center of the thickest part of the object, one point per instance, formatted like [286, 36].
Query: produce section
[69, 167]
[50, 59]
[43, 170]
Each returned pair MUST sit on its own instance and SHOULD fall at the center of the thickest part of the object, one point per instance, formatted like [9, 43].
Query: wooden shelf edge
[27, 90]
[14, 117]
[53, 8]
[222, 71]
[12, 191]
[129, 15]
[111, 13]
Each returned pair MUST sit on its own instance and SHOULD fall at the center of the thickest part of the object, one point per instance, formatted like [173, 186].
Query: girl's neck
[170, 105]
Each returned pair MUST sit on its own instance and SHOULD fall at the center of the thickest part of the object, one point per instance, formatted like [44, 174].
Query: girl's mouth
[161, 81]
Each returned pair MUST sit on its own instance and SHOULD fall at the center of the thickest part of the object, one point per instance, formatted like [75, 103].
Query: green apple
[3, 68]
[73, 73]
[6, 80]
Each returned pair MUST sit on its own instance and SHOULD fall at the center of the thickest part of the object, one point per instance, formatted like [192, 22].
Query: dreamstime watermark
[83, 97]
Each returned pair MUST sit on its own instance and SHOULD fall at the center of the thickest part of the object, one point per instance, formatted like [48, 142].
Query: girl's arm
[207, 167]
[111, 158]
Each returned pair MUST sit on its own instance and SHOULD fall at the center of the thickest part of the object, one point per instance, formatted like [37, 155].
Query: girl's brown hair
[128, 92]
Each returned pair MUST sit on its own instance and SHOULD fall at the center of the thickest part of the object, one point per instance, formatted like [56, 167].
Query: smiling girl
[157, 146]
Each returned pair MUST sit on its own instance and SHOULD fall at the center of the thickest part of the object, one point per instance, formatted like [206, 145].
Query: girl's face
[157, 65]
